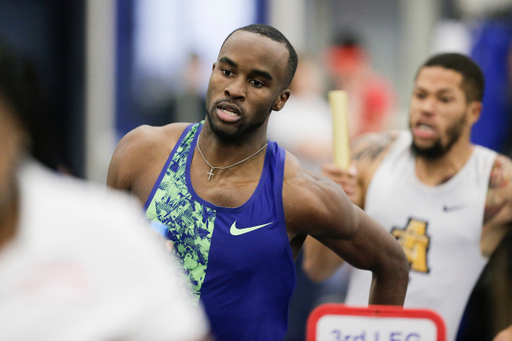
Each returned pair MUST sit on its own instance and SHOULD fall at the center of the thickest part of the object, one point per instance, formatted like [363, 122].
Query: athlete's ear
[281, 100]
[474, 110]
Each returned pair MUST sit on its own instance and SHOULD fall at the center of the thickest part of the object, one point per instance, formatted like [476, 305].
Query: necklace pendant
[210, 173]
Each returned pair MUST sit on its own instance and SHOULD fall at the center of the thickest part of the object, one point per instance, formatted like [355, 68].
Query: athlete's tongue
[227, 115]
[424, 131]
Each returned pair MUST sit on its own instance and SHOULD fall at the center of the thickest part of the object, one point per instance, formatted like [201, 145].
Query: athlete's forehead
[255, 51]
[438, 79]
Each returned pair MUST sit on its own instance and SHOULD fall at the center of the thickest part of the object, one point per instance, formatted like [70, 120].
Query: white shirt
[439, 227]
[83, 267]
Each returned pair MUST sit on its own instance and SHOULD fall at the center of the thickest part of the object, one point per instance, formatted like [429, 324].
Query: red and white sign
[338, 322]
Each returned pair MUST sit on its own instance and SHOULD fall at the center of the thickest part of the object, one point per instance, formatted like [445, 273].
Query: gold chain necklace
[210, 173]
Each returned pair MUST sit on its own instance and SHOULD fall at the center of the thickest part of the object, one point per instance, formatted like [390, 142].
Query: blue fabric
[490, 51]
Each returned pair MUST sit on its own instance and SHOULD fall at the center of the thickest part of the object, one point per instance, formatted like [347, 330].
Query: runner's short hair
[275, 35]
[473, 81]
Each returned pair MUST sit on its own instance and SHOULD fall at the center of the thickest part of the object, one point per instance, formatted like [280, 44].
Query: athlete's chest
[225, 188]
[428, 223]
[225, 192]
[450, 211]
[256, 233]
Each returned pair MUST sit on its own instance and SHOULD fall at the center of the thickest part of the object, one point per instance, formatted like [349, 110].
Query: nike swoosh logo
[237, 232]
[453, 208]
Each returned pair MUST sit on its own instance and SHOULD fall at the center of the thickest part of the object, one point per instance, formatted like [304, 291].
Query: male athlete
[448, 202]
[238, 207]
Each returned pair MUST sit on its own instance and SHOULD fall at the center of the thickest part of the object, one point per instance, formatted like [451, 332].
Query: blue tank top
[238, 260]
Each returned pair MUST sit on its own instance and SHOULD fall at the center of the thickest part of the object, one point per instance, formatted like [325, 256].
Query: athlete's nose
[428, 105]
[236, 89]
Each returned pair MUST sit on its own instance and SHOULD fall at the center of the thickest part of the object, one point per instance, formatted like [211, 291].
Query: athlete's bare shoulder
[373, 146]
[499, 187]
[141, 154]
[367, 152]
[498, 204]
[147, 138]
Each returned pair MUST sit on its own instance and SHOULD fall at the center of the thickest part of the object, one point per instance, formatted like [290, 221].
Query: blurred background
[109, 66]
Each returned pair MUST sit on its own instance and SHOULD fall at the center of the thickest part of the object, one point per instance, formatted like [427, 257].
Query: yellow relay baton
[341, 144]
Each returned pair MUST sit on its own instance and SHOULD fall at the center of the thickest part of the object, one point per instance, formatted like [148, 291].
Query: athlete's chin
[226, 132]
[431, 151]
[423, 145]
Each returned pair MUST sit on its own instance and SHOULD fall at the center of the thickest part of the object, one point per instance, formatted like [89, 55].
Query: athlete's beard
[243, 132]
[437, 150]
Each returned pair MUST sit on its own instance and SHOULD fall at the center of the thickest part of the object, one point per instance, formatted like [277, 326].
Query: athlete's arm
[498, 205]
[373, 248]
[317, 206]
[126, 159]
[319, 262]
[367, 151]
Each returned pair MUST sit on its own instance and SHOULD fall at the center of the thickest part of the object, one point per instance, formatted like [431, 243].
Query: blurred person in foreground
[371, 98]
[75, 262]
[447, 201]
[238, 207]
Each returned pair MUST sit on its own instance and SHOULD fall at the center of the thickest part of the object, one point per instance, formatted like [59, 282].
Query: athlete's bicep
[369, 247]
[116, 169]
[122, 163]
[319, 261]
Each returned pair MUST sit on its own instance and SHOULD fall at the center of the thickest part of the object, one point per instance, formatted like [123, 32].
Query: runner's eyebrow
[445, 91]
[261, 73]
[228, 61]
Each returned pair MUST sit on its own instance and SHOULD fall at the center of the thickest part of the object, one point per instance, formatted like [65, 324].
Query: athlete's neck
[219, 153]
[436, 171]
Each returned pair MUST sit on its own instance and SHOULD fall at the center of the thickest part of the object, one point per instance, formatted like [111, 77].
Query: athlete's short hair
[275, 35]
[473, 81]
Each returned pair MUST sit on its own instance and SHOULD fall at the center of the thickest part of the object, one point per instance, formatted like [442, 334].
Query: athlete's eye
[226, 72]
[257, 83]
[420, 95]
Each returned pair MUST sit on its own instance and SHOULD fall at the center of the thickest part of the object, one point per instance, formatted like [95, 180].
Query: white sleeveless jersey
[439, 228]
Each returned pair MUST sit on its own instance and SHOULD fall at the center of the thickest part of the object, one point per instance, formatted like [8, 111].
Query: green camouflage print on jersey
[191, 223]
